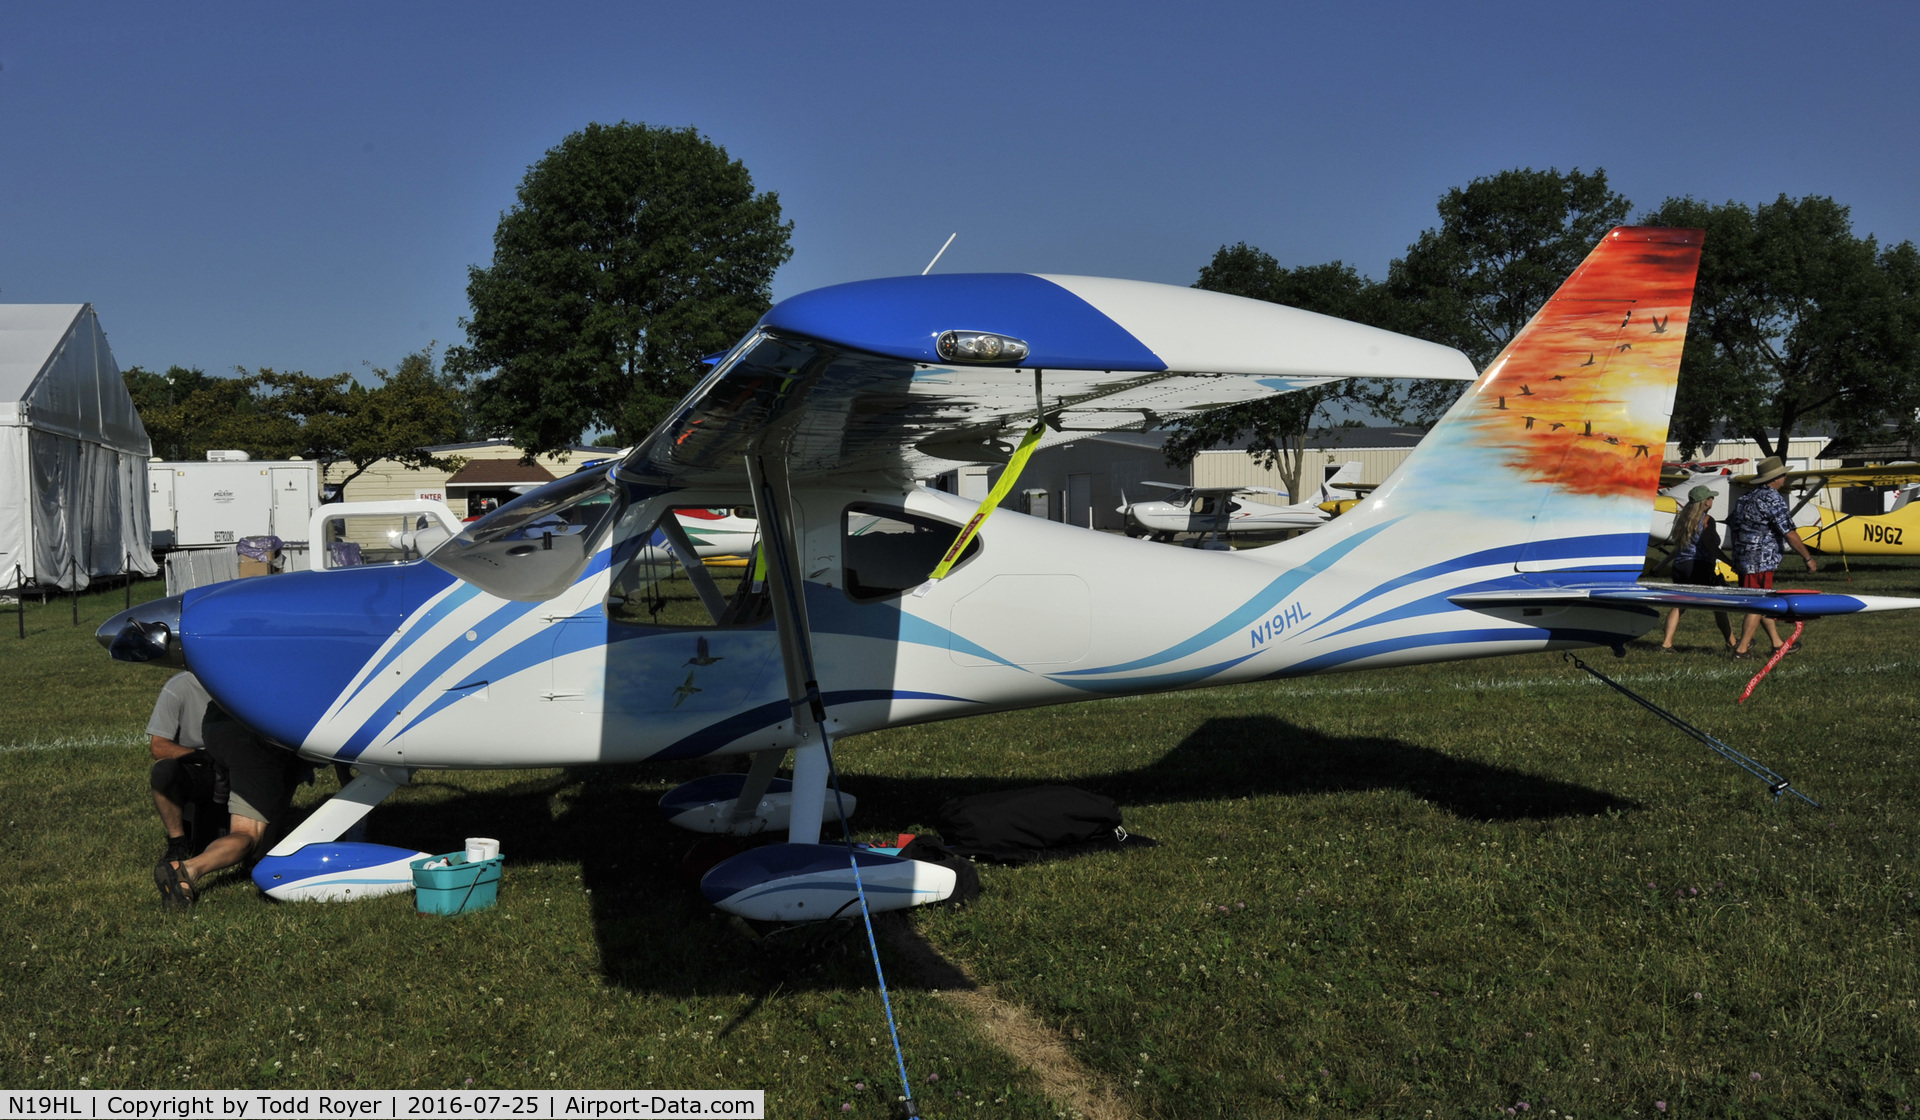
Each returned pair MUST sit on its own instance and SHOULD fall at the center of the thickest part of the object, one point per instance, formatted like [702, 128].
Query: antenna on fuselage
[941, 253]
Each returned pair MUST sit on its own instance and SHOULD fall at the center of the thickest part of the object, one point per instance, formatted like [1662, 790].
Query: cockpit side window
[886, 552]
[693, 567]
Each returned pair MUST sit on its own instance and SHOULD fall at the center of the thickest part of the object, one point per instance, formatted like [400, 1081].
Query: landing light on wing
[980, 346]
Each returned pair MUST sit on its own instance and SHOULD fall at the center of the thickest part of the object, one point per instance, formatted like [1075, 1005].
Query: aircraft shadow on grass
[655, 933]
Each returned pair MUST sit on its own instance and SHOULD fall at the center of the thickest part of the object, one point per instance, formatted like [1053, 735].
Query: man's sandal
[176, 885]
[163, 879]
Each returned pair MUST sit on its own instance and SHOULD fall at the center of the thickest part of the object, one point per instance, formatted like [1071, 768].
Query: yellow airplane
[1339, 506]
[1859, 534]
[1894, 533]
[1822, 526]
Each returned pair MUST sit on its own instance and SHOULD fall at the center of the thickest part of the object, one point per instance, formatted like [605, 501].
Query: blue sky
[304, 187]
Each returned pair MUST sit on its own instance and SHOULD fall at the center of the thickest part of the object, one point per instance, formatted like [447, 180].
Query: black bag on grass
[1022, 825]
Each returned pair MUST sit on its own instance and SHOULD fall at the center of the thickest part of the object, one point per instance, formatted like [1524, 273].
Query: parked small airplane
[1676, 482]
[872, 604]
[1895, 532]
[1213, 513]
[719, 532]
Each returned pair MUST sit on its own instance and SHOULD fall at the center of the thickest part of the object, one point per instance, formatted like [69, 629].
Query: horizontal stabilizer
[1790, 605]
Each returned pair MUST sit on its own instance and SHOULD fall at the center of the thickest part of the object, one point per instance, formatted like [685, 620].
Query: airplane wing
[886, 381]
[1167, 485]
[1792, 606]
[876, 378]
[1896, 474]
[1218, 490]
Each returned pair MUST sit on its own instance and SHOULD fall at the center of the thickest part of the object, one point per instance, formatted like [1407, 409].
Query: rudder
[1556, 449]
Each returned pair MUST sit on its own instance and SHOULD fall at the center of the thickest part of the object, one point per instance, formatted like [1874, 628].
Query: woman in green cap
[1696, 558]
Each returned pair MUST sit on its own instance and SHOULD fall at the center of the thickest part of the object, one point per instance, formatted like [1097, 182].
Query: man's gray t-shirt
[181, 712]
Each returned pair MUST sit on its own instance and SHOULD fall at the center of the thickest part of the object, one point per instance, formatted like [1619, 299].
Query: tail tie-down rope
[1772, 661]
[1776, 784]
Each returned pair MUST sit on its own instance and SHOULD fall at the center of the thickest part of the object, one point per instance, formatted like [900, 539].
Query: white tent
[73, 453]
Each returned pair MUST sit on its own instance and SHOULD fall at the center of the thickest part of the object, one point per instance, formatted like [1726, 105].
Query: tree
[338, 419]
[273, 415]
[187, 412]
[632, 252]
[1281, 425]
[1505, 244]
[1794, 319]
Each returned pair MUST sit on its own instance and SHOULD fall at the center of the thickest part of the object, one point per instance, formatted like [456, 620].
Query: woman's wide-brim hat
[1771, 467]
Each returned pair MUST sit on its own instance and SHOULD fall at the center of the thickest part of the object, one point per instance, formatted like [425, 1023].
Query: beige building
[1379, 451]
[490, 472]
[1084, 482]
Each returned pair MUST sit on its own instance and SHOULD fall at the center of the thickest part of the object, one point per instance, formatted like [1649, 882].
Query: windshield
[769, 379]
[533, 548]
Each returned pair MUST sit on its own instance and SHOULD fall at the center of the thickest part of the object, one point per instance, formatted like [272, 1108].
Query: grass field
[1445, 890]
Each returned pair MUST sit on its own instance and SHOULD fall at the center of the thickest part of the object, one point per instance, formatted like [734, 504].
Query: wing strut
[780, 547]
[813, 760]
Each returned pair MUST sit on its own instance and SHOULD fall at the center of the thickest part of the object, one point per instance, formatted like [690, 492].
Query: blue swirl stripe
[1157, 682]
[453, 599]
[1486, 636]
[443, 659]
[1436, 603]
[1564, 548]
[545, 645]
[449, 656]
[1247, 613]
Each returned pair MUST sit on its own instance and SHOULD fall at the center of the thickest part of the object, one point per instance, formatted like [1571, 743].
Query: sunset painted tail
[1555, 451]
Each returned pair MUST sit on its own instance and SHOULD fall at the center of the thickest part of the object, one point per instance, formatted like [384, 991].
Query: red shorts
[1761, 580]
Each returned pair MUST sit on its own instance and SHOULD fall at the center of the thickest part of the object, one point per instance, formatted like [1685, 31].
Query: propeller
[145, 634]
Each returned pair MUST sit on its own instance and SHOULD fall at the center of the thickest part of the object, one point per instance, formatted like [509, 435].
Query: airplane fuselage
[1882, 534]
[404, 665]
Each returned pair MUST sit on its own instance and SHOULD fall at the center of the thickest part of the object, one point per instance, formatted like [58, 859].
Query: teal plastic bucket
[458, 888]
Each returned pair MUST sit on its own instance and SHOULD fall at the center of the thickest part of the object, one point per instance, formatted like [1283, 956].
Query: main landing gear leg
[345, 809]
[760, 775]
[809, 792]
[744, 804]
[313, 864]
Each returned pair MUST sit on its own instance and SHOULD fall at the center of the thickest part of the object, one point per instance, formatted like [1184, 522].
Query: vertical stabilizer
[1554, 453]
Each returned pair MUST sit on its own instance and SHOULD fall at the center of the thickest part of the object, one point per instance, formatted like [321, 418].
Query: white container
[479, 848]
[204, 505]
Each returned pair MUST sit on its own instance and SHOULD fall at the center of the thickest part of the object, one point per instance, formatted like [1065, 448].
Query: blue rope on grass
[846, 834]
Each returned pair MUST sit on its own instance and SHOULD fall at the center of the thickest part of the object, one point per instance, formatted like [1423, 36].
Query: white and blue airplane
[559, 630]
[1211, 511]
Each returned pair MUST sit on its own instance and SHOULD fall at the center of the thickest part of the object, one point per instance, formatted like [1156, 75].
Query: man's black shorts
[261, 777]
[187, 779]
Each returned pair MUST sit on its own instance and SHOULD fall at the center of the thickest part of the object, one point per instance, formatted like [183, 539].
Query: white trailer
[206, 505]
